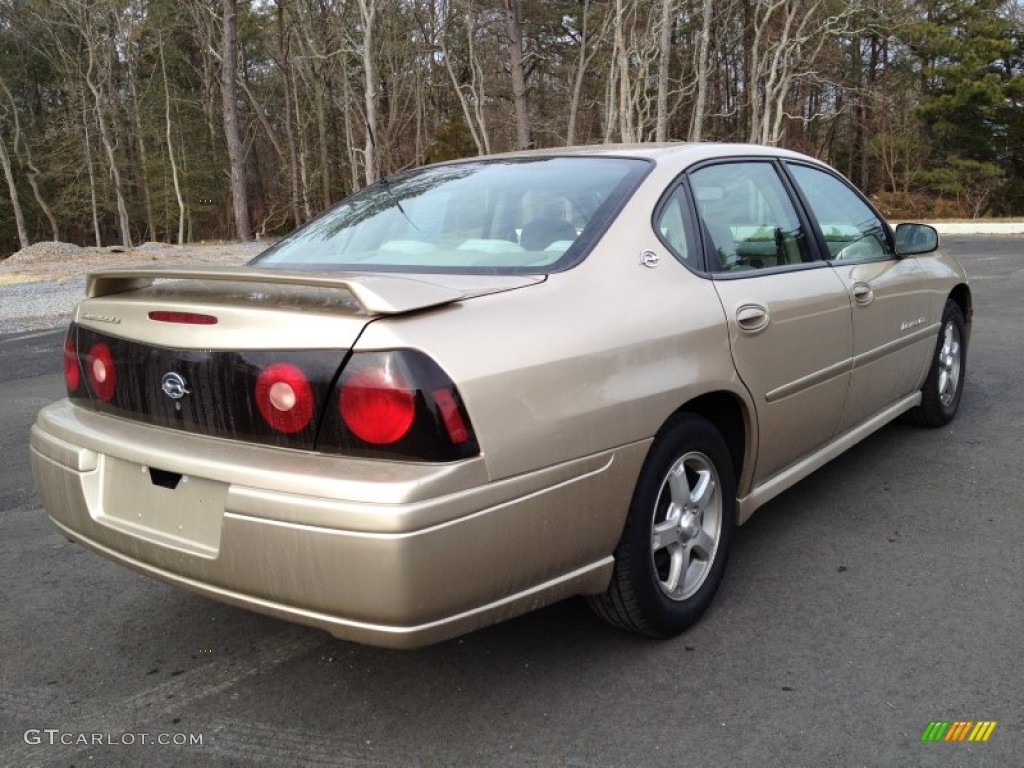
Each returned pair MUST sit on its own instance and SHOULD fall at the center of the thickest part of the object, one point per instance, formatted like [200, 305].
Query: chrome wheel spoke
[704, 545]
[666, 532]
[703, 490]
[678, 562]
[678, 487]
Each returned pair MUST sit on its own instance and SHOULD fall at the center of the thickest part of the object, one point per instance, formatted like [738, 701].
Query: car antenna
[387, 188]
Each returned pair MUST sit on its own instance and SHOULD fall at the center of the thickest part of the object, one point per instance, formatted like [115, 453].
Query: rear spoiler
[377, 294]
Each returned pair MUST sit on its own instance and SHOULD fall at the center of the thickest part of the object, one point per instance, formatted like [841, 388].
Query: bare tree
[284, 44]
[170, 145]
[476, 119]
[589, 49]
[368, 14]
[665, 24]
[788, 40]
[23, 154]
[514, 29]
[701, 66]
[229, 97]
[19, 217]
[126, 33]
[84, 20]
[313, 37]
[94, 206]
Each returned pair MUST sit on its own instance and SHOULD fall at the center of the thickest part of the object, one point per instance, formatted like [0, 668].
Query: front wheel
[940, 395]
[678, 533]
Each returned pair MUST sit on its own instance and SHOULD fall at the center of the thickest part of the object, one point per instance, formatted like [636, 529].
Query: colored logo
[958, 730]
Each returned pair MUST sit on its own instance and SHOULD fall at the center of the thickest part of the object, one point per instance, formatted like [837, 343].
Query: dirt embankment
[46, 261]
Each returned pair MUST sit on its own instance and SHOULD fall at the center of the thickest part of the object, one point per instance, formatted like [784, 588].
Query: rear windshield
[495, 216]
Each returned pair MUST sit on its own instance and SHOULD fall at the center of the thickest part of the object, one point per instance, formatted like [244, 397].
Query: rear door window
[748, 219]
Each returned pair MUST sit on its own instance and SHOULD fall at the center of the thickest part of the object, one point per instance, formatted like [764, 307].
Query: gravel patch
[41, 285]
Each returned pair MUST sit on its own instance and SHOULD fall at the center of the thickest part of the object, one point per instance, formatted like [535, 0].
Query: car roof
[679, 153]
[684, 151]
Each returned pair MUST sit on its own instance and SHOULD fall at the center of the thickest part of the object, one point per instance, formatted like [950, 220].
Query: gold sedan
[477, 388]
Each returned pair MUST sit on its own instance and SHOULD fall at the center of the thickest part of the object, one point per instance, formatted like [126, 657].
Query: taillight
[72, 373]
[451, 416]
[99, 368]
[284, 397]
[397, 404]
[188, 318]
[377, 405]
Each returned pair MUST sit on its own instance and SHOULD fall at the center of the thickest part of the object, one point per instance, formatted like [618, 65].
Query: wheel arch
[733, 419]
[961, 294]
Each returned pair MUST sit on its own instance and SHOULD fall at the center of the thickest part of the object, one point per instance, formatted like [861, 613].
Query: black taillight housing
[396, 404]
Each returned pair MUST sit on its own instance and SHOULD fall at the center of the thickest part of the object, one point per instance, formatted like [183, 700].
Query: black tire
[643, 596]
[940, 395]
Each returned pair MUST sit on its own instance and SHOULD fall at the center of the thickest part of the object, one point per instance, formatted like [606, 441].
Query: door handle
[752, 317]
[862, 293]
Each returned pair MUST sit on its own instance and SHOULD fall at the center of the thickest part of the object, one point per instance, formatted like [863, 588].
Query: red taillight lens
[450, 416]
[99, 368]
[399, 405]
[377, 405]
[72, 375]
[189, 318]
[284, 397]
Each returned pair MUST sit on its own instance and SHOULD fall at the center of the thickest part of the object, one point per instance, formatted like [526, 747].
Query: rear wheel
[940, 395]
[678, 533]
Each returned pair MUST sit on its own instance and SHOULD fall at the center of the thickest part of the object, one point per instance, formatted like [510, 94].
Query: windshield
[493, 216]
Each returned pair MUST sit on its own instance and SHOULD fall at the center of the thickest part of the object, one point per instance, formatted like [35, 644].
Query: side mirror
[913, 239]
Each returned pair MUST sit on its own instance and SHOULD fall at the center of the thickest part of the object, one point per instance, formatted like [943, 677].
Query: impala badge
[174, 386]
[908, 324]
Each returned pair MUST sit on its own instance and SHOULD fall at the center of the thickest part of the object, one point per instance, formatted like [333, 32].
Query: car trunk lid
[186, 347]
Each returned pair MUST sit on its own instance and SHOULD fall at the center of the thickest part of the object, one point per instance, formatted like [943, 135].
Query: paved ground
[882, 593]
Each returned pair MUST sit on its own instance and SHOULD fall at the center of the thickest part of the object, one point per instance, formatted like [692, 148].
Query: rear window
[494, 216]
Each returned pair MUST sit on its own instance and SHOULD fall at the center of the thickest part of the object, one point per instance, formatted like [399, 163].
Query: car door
[892, 337]
[788, 312]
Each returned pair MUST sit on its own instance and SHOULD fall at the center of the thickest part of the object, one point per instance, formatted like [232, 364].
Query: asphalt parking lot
[884, 592]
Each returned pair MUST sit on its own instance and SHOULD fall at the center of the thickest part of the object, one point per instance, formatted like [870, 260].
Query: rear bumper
[398, 555]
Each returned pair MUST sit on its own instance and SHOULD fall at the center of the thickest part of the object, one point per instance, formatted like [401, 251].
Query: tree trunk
[289, 125]
[611, 91]
[701, 74]
[229, 96]
[170, 148]
[581, 70]
[108, 146]
[664, 55]
[475, 130]
[514, 28]
[92, 174]
[346, 113]
[19, 218]
[323, 146]
[147, 198]
[368, 12]
[303, 153]
[477, 82]
[627, 126]
[24, 157]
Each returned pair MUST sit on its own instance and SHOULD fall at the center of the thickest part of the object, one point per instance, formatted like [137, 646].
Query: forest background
[125, 121]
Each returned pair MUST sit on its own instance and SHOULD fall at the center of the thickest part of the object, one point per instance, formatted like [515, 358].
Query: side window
[748, 217]
[852, 231]
[671, 225]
